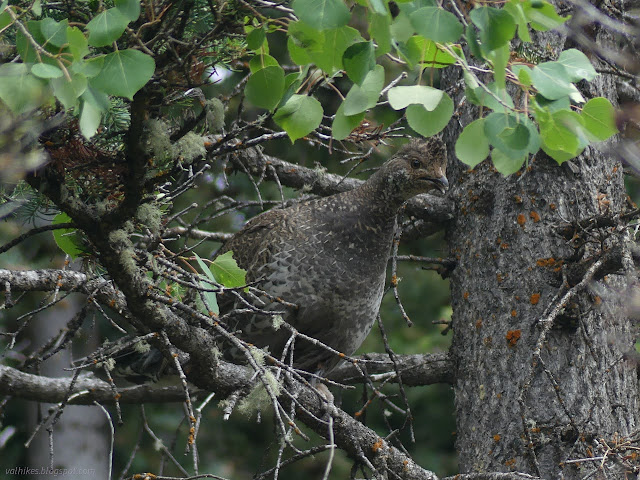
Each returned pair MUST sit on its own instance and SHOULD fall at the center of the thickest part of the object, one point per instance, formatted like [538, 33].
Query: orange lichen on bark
[534, 299]
[535, 216]
[546, 262]
[377, 446]
[513, 336]
[496, 438]
[521, 220]
[465, 295]
[514, 313]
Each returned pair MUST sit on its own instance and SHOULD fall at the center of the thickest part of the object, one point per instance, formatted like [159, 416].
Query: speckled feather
[328, 256]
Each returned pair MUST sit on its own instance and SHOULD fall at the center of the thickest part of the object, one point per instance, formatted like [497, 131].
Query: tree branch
[416, 370]
[87, 390]
[349, 434]
[430, 211]
[66, 280]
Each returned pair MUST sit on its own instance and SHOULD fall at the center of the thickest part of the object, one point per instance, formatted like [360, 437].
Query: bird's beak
[441, 183]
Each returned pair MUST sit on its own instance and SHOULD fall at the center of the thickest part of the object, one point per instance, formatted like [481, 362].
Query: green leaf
[401, 28]
[265, 87]
[306, 36]
[514, 135]
[37, 8]
[472, 146]
[551, 105]
[523, 73]
[299, 116]
[336, 42]
[380, 31]
[129, 8]
[256, 38]
[5, 19]
[516, 138]
[258, 62]
[410, 6]
[209, 297]
[401, 97]
[577, 65]
[343, 125]
[106, 27]
[365, 96]
[503, 132]
[358, 60]
[575, 96]
[514, 7]
[598, 116]
[292, 83]
[506, 164]
[54, 33]
[19, 90]
[551, 80]
[497, 26]
[542, 15]
[436, 24]
[124, 73]
[92, 105]
[379, 7]
[325, 49]
[227, 272]
[420, 50]
[428, 123]
[499, 59]
[67, 91]
[78, 44]
[561, 156]
[43, 70]
[322, 14]
[90, 67]
[563, 130]
[67, 239]
[490, 100]
[298, 54]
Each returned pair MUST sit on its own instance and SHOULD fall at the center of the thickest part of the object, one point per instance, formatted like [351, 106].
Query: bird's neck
[379, 198]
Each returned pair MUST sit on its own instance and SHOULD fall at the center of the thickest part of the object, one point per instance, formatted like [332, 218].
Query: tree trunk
[541, 338]
[81, 441]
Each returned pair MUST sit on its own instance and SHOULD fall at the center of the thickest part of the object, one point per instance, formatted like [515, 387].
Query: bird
[327, 258]
[319, 265]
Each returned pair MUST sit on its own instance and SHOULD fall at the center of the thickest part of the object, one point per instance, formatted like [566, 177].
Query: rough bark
[541, 370]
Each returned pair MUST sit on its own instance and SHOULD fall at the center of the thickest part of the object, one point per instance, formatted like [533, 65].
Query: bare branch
[87, 390]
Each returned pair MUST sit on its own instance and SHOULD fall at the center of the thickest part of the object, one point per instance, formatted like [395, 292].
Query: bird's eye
[415, 163]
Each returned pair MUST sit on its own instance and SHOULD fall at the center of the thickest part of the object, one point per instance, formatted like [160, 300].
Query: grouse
[320, 266]
[326, 258]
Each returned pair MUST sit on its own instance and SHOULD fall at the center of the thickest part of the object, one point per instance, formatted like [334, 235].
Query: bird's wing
[253, 245]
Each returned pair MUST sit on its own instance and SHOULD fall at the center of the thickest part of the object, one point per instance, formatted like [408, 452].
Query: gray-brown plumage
[328, 256]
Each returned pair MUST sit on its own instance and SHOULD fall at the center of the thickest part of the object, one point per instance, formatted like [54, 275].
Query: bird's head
[418, 167]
